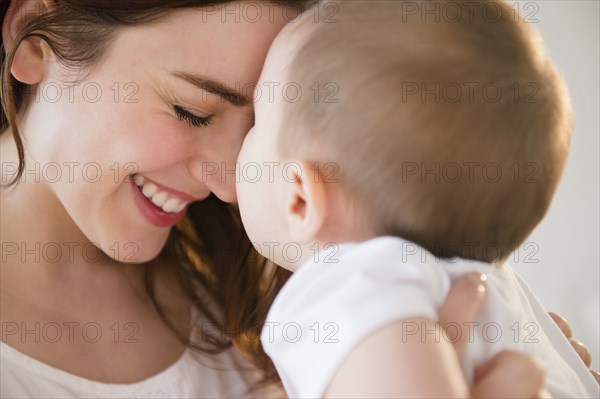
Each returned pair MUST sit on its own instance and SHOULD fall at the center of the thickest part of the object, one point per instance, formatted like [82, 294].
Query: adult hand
[509, 374]
[579, 347]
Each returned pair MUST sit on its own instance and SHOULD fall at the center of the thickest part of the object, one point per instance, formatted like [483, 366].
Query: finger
[582, 351]
[562, 324]
[462, 306]
[596, 375]
[509, 375]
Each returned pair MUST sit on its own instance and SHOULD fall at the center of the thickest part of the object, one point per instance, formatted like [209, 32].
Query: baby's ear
[306, 202]
[30, 60]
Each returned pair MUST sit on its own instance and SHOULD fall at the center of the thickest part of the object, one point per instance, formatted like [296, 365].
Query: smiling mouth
[167, 202]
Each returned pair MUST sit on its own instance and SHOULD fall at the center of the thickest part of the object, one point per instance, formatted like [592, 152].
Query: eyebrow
[215, 87]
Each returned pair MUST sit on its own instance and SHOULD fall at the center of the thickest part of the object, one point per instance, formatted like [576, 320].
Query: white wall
[567, 276]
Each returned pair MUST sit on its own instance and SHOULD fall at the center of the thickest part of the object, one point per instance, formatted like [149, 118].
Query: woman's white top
[193, 375]
[348, 292]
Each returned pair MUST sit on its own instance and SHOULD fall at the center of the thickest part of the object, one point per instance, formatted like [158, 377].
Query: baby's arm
[392, 363]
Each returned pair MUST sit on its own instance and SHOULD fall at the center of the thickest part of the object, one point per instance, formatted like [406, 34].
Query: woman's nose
[219, 177]
[214, 162]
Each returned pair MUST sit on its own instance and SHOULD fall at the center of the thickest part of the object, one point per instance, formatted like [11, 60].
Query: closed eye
[191, 119]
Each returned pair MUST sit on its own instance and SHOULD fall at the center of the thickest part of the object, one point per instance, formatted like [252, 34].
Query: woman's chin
[134, 252]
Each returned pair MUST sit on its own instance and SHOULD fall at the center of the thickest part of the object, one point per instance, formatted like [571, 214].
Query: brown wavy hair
[228, 282]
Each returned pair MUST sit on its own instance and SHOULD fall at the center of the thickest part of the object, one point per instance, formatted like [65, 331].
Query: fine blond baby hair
[448, 122]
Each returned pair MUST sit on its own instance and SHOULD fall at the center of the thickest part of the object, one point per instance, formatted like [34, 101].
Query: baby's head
[449, 128]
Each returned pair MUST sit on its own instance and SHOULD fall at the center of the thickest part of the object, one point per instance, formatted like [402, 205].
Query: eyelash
[191, 119]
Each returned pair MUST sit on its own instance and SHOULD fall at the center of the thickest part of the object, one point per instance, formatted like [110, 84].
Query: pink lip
[154, 214]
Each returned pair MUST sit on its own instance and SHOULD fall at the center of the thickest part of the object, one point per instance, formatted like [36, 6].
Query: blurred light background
[567, 275]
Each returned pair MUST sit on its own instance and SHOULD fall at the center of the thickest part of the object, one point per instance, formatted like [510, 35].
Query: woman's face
[156, 124]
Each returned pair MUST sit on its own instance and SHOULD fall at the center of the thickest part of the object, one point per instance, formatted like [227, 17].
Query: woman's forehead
[199, 42]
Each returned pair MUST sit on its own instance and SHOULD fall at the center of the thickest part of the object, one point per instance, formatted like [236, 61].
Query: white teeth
[180, 207]
[139, 180]
[161, 199]
[172, 205]
[149, 190]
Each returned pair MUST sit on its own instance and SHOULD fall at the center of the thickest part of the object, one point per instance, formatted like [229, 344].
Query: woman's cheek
[156, 146]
